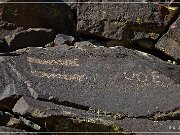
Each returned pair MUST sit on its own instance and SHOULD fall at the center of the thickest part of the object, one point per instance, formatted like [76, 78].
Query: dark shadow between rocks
[65, 103]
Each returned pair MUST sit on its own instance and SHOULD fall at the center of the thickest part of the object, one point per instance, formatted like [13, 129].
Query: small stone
[62, 39]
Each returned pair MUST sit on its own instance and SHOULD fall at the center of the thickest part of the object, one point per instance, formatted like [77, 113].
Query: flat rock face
[169, 43]
[123, 21]
[113, 80]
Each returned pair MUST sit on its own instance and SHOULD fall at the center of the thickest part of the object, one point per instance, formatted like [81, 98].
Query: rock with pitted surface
[32, 37]
[126, 22]
[115, 79]
[169, 43]
[114, 82]
[145, 125]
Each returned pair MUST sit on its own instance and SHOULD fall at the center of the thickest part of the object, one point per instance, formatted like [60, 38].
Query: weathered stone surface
[53, 16]
[6, 31]
[42, 109]
[72, 3]
[37, 37]
[144, 125]
[169, 43]
[113, 80]
[23, 124]
[123, 21]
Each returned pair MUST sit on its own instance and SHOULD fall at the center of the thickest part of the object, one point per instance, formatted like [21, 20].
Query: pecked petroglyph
[59, 76]
[73, 62]
[155, 78]
[139, 76]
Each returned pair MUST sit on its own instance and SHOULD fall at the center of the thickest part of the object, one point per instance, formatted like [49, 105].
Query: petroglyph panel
[116, 80]
[53, 62]
[141, 76]
[60, 76]
[65, 76]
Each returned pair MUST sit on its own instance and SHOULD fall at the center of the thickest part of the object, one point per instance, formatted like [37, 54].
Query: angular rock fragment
[126, 22]
[32, 37]
[52, 16]
[6, 31]
[64, 39]
[41, 109]
[109, 79]
[23, 124]
[169, 43]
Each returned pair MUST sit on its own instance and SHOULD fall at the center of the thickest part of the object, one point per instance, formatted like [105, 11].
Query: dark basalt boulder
[52, 16]
[115, 80]
[169, 43]
[126, 22]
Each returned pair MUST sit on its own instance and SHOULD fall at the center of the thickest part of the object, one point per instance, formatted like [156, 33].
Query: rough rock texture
[144, 125]
[123, 21]
[53, 16]
[169, 43]
[32, 37]
[89, 87]
[65, 83]
[23, 124]
[115, 80]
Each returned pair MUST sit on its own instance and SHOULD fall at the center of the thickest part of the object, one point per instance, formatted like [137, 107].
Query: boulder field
[90, 66]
